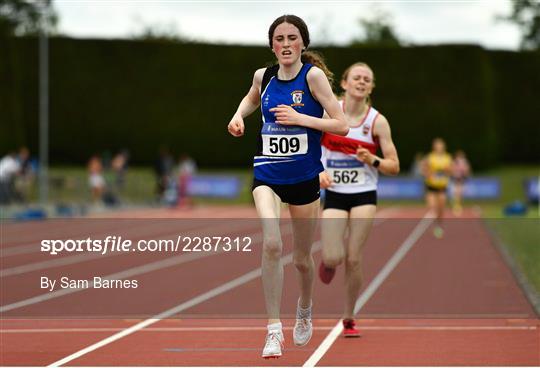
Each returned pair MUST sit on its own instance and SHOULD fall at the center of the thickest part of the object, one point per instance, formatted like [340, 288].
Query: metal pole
[43, 107]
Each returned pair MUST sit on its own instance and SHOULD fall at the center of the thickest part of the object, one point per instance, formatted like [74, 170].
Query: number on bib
[284, 145]
[348, 176]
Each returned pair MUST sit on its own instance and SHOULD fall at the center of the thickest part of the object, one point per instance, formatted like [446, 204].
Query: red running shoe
[326, 274]
[349, 328]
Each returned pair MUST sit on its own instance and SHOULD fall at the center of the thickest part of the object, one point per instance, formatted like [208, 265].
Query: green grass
[70, 185]
[521, 236]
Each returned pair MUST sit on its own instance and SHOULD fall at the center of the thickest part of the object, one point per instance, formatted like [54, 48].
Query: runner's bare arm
[321, 90]
[248, 105]
[389, 165]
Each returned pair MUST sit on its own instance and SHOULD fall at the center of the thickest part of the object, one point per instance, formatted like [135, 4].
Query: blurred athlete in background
[437, 168]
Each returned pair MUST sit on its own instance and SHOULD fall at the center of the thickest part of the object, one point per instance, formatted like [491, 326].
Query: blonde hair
[345, 75]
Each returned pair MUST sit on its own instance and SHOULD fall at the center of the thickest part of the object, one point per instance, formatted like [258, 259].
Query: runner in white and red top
[350, 175]
[350, 179]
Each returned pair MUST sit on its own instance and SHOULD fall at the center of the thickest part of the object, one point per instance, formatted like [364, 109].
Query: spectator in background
[95, 178]
[416, 166]
[10, 167]
[461, 170]
[163, 169]
[119, 165]
[186, 169]
[24, 180]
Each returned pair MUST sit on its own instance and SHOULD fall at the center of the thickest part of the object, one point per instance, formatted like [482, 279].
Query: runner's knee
[272, 248]
[332, 260]
[303, 263]
[353, 263]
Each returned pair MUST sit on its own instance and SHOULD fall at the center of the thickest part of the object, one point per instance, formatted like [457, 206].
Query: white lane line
[130, 272]
[201, 298]
[17, 250]
[51, 263]
[263, 328]
[413, 237]
[175, 310]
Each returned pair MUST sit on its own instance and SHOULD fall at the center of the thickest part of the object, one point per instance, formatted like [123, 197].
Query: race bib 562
[346, 172]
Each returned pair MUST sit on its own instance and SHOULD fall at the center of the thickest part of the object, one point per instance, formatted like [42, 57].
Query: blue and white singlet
[287, 154]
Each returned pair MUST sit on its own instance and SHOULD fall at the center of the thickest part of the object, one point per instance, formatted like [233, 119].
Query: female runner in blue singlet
[293, 96]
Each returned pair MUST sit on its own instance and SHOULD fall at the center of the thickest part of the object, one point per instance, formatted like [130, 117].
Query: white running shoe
[273, 345]
[303, 328]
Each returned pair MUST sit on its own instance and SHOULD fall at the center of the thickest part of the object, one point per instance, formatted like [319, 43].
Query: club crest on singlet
[297, 98]
[365, 129]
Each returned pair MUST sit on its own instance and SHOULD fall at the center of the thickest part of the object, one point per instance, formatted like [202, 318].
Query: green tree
[20, 17]
[377, 31]
[161, 32]
[526, 14]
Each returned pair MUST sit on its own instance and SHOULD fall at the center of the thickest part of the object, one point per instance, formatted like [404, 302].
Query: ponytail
[315, 58]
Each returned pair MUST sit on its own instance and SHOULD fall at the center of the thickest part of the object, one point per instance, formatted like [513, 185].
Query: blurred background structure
[139, 77]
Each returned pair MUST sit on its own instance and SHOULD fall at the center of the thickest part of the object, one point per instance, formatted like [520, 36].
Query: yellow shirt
[438, 168]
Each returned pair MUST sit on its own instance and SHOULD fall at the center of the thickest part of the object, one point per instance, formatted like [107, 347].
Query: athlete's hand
[325, 180]
[236, 126]
[286, 115]
[363, 155]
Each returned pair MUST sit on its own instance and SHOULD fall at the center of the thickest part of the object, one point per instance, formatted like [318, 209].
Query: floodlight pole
[43, 106]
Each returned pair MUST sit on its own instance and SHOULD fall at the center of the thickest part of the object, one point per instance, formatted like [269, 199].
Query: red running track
[451, 301]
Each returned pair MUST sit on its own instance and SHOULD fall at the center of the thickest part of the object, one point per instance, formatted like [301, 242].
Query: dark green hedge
[114, 94]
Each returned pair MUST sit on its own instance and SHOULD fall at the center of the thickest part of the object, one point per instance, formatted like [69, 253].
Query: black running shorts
[296, 194]
[346, 201]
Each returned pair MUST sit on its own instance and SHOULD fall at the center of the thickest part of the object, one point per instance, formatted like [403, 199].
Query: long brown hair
[311, 57]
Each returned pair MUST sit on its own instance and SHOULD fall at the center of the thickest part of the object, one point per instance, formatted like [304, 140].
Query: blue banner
[480, 188]
[226, 186]
[220, 186]
[413, 188]
[400, 188]
[532, 189]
